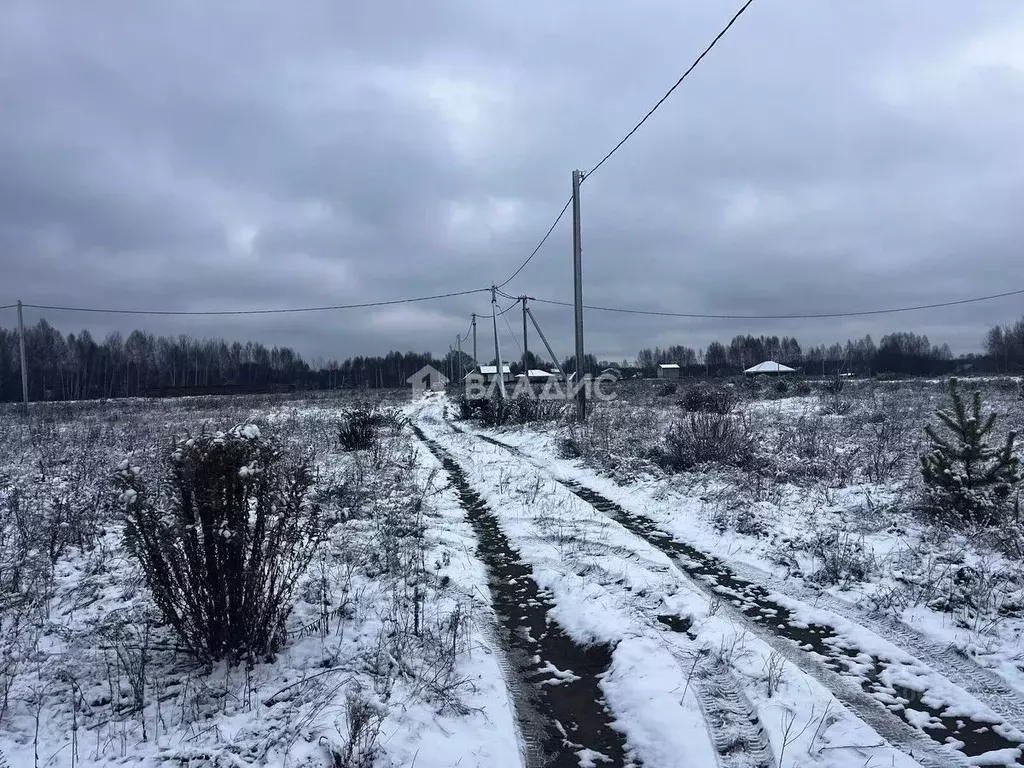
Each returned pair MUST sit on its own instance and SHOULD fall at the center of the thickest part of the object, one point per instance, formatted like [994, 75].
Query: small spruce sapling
[966, 477]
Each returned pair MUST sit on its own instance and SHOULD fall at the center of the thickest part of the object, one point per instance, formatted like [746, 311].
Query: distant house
[612, 372]
[668, 371]
[490, 373]
[536, 375]
[769, 368]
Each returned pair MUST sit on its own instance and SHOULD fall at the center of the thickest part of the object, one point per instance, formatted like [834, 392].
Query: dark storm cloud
[826, 157]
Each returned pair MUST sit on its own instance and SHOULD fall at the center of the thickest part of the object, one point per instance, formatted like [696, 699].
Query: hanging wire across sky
[810, 316]
[670, 91]
[540, 244]
[513, 334]
[629, 135]
[276, 311]
[592, 307]
[507, 309]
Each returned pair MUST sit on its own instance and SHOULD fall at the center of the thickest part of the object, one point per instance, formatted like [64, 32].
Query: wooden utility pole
[577, 272]
[526, 346]
[497, 345]
[458, 348]
[476, 360]
[24, 365]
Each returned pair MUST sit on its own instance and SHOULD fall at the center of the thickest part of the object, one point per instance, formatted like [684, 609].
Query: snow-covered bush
[967, 479]
[978, 589]
[708, 437]
[752, 386]
[363, 718]
[811, 449]
[222, 539]
[887, 429]
[622, 440]
[844, 560]
[522, 409]
[832, 402]
[706, 398]
[358, 428]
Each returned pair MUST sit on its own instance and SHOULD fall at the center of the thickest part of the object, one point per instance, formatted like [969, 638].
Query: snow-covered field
[538, 595]
[389, 657]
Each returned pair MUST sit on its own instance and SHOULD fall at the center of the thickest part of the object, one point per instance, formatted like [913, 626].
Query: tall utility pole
[577, 272]
[497, 346]
[458, 348]
[24, 367]
[476, 361]
[526, 346]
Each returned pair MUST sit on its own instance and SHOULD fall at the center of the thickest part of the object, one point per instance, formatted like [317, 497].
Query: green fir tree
[966, 477]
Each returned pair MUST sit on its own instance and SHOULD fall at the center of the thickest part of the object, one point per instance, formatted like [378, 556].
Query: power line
[506, 295]
[465, 336]
[507, 309]
[280, 311]
[513, 334]
[860, 313]
[629, 135]
[540, 244]
[8, 306]
[669, 92]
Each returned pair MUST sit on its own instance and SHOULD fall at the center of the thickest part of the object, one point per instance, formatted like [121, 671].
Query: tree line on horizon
[78, 367]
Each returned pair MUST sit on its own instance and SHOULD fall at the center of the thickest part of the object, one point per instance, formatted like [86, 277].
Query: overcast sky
[827, 156]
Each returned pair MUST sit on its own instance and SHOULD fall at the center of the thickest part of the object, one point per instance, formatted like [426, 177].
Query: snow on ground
[389, 658]
[832, 509]
[609, 586]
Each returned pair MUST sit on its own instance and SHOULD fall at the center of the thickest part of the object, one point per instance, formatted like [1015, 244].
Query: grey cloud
[823, 158]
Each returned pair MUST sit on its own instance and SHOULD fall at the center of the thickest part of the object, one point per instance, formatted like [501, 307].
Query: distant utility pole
[526, 346]
[24, 366]
[551, 352]
[497, 346]
[476, 360]
[458, 348]
[577, 271]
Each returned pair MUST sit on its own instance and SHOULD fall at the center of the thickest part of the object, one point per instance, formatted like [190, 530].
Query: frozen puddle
[879, 677]
[561, 708]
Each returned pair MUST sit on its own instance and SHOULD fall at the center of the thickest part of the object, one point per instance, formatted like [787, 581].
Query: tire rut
[555, 683]
[857, 679]
[733, 725]
[958, 668]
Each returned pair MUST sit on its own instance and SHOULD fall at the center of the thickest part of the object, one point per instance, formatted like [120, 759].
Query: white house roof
[492, 370]
[536, 373]
[667, 365]
[770, 366]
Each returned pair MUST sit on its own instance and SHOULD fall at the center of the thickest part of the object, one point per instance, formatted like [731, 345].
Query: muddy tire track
[960, 669]
[946, 740]
[555, 683]
[732, 722]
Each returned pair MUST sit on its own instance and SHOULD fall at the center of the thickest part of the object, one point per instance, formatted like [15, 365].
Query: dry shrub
[359, 428]
[222, 540]
[708, 438]
[709, 399]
